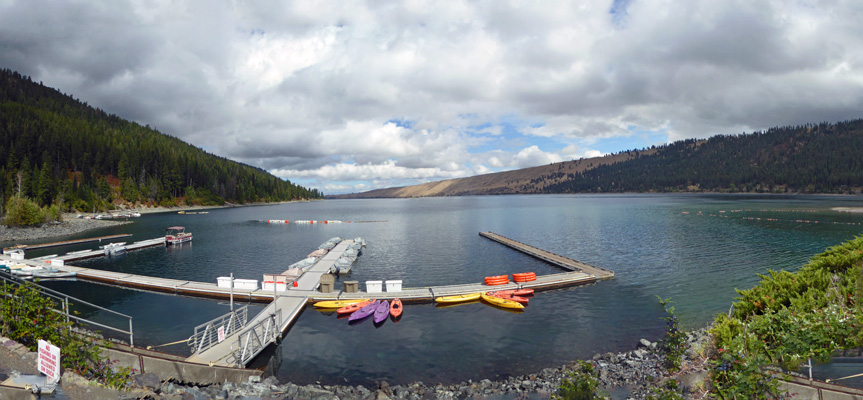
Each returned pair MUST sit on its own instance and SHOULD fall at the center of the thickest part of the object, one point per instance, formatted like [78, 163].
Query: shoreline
[632, 373]
[72, 225]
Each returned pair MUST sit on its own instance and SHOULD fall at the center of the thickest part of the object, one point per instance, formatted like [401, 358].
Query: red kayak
[353, 307]
[522, 300]
[517, 292]
[396, 308]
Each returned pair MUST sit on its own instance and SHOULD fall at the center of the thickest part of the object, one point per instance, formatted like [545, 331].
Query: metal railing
[253, 340]
[209, 333]
[67, 302]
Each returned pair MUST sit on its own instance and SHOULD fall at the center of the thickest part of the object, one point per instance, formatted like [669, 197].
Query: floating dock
[280, 314]
[549, 257]
[68, 242]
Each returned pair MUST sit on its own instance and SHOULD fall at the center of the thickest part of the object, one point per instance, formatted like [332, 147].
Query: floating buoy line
[723, 214]
[312, 221]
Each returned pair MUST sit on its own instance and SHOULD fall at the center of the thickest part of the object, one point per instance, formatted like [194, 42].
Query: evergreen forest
[812, 158]
[58, 151]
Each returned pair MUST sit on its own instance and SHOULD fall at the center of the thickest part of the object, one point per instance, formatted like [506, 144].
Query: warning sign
[221, 333]
[48, 361]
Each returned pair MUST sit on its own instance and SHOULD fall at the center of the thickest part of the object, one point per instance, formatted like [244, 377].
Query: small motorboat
[177, 235]
[365, 311]
[29, 272]
[113, 249]
[396, 308]
[382, 311]
[459, 298]
[350, 308]
[504, 303]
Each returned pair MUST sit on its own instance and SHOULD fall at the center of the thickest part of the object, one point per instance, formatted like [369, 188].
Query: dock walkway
[284, 307]
[68, 242]
[549, 257]
[272, 321]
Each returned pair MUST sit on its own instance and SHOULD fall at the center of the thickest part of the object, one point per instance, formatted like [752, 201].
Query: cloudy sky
[348, 96]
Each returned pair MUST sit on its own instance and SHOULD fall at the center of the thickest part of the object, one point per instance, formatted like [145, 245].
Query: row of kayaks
[513, 299]
[379, 310]
[360, 309]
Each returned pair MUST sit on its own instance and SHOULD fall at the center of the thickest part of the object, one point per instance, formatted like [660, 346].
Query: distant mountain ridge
[58, 150]
[812, 158]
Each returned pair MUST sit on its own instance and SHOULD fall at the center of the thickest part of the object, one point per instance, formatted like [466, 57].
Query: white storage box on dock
[57, 263]
[394, 286]
[373, 286]
[246, 284]
[224, 282]
[18, 255]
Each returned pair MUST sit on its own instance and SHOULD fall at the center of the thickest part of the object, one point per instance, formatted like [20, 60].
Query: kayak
[382, 311]
[497, 301]
[458, 298]
[516, 292]
[353, 307]
[509, 296]
[396, 308]
[524, 277]
[364, 312]
[337, 303]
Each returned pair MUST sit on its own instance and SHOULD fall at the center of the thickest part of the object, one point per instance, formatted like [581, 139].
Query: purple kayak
[382, 311]
[364, 312]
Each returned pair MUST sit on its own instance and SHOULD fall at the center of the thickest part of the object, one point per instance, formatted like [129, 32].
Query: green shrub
[580, 385]
[21, 211]
[26, 317]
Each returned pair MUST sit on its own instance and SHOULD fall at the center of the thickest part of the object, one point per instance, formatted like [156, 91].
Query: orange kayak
[517, 292]
[497, 280]
[509, 296]
[353, 307]
[396, 308]
[524, 276]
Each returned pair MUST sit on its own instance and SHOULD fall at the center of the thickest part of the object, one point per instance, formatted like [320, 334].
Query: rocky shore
[629, 375]
[68, 226]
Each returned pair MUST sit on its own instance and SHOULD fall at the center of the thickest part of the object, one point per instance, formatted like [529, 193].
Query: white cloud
[306, 89]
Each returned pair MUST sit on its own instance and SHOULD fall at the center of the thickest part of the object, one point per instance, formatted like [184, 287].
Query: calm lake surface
[658, 245]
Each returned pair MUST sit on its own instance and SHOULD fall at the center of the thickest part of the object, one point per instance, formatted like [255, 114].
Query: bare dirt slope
[527, 180]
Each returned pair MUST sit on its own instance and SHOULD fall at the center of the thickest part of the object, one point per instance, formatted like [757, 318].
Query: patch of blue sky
[403, 123]
[506, 134]
[619, 11]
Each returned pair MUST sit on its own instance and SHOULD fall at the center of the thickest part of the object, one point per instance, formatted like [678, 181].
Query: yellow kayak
[457, 298]
[337, 303]
[505, 303]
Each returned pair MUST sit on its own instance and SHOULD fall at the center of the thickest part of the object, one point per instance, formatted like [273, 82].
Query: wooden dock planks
[549, 257]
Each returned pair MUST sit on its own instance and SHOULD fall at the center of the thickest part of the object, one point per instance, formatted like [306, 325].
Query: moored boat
[500, 302]
[177, 235]
[113, 249]
[457, 298]
[382, 311]
[365, 311]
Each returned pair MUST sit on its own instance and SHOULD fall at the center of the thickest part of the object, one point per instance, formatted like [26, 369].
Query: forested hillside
[58, 150]
[822, 158]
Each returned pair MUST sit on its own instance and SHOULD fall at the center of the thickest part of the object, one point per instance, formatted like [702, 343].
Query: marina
[242, 344]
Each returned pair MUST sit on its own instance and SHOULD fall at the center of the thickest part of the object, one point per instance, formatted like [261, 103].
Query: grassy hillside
[822, 158]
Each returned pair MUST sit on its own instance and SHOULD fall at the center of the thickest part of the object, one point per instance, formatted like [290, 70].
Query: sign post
[48, 361]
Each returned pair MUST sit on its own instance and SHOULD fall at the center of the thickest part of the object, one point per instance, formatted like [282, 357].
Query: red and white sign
[221, 333]
[48, 361]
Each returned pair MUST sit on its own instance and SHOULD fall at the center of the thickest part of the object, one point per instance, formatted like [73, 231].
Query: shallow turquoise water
[658, 245]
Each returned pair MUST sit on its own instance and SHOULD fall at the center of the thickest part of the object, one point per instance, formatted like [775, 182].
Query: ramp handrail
[64, 301]
[251, 341]
[207, 334]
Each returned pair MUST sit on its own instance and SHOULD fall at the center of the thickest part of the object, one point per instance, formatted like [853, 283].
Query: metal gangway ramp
[237, 345]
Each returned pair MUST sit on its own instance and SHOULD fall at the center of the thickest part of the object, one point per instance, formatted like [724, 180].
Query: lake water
[658, 245]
